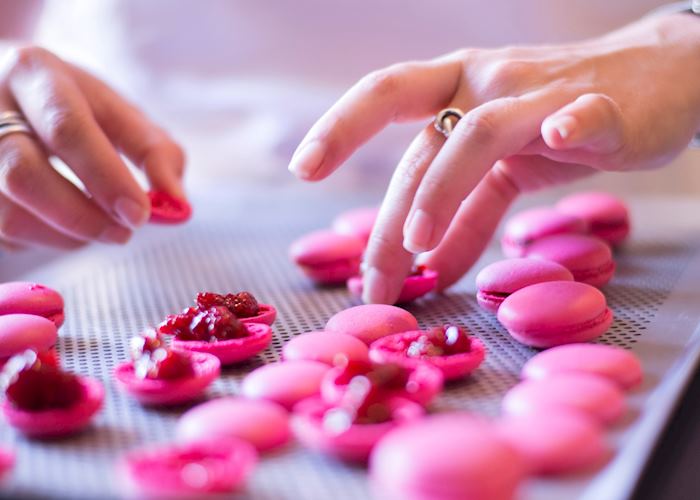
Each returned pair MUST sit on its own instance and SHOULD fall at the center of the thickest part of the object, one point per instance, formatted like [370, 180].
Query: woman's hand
[535, 116]
[87, 125]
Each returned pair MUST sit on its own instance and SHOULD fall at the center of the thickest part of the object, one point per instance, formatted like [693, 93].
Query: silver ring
[12, 122]
[446, 120]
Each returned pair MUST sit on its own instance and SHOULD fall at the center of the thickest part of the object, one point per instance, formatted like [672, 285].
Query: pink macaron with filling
[614, 363]
[415, 285]
[326, 347]
[451, 456]
[233, 350]
[285, 383]
[328, 257]
[19, 332]
[357, 222]
[592, 395]
[497, 281]
[554, 313]
[19, 297]
[369, 322]
[588, 258]
[606, 215]
[525, 227]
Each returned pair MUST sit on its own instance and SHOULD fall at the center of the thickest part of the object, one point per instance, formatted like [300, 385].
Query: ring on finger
[12, 122]
[446, 120]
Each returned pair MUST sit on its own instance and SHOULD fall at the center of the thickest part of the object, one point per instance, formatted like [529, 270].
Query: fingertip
[307, 160]
[558, 130]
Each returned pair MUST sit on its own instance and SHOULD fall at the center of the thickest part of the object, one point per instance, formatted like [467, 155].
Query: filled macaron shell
[357, 222]
[326, 347]
[19, 332]
[20, 297]
[167, 209]
[527, 226]
[372, 321]
[554, 313]
[285, 383]
[233, 350]
[607, 216]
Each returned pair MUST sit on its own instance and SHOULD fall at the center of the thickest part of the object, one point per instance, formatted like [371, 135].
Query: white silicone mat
[238, 241]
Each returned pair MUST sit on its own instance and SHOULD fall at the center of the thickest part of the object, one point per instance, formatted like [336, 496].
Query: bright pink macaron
[592, 395]
[262, 423]
[20, 297]
[614, 363]
[166, 209]
[525, 227]
[369, 322]
[556, 442]
[233, 350]
[328, 257]
[357, 222]
[588, 258]
[326, 347]
[554, 313]
[417, 284]
[497, 281]
[19, 332]
[606, 215]
[285, 383]
[7, 462]
[446, 457]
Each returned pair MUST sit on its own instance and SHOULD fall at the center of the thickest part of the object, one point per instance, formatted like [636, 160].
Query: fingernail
[419, 232]
[375, 287]
[115, 234]
[131, 213]
[564, 125]
[307, 159]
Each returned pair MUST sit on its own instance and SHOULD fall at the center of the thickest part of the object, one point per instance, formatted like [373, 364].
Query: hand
[536, 116]
[87, 125]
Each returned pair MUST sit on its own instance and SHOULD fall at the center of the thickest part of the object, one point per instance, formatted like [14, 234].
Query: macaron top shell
[525, 227]
[357, 222]
[326, 347]
[322, 247]
[614, 363]
[509, 275]
[20, 297]
[19, 332]
[595, 207]
[369, 322]
[285, 383]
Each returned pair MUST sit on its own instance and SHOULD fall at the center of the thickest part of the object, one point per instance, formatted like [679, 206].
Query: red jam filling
[363, 403]
[243, 304]
[445, 340]
[208, 325]
[386, 376]
[35, 382]
[418, 270]
[153, 359]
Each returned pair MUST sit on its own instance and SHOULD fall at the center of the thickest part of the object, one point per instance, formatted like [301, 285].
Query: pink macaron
[19, 332]
[7, 462]
[189, 470]
[415, 285]
[233, 350]
[372, 321]
[606, 215]
[588, 258]
[614, 363]
[556, 442]
[262, 423]
[167, 209]
[19, 297]
[285, 383]
[326, 347]
[592, 395]
[554, 313]
[525, 227]
[449, 456]
[328, 257]
[497, 281]
[357, 222]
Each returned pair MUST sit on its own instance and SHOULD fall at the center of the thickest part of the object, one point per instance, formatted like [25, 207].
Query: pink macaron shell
[332, 273]
[21, 297]
[527, 226]
[356, 442]
[326, 347]
[498, 280]
[413, 287]
[606, 215]
[554, 313]
[148, 391]
[262, 423]
[593, 395]
[588, 258]
[614, 363]
[425, 382]
[234, 350]
[167, 209]
[267, 315]
[392, 349]
[60, 421]
[556, 442]
[449, 456]
[188, 470]
[328, 257]
[357, 222]
[369, 322]
[7, 462]
[19, 332]
[285, 383]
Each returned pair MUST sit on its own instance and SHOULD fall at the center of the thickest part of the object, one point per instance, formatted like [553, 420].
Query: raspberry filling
[35, 382]
[153, 360]
[386, 376]
[363, 403]
[243, 304]
[167, 209]
[440, 341]
[208, 325]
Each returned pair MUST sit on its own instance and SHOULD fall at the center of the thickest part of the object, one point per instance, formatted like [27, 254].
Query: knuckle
[80, 224]
[64, 127]
[383, 82]
[479, 125]
[25, 57]
[383, 252]
[411, 171]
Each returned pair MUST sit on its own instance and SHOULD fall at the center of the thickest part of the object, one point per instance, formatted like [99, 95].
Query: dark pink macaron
[588, 258]
[497, 281]
[328, 257]
[233, 350]
[554, 313]
[606, 215]
[527, 226]
[20, 297]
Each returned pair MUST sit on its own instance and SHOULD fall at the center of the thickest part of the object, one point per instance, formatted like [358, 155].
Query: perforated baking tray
[239, 240]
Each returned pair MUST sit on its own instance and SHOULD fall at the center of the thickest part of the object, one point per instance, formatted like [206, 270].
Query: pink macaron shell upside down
[369, 322]
[233, 350]
[527, 226]
[555, 313]
[19, 332]
[20, 297]
[285, 383]
[606, 215]
[328, 257]
[588, 258]
[497, 281]
[357, 222]
[414, 286]
[326, 347]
